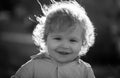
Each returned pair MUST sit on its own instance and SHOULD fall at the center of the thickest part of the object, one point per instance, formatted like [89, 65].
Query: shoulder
[87, 68]
[83, 63]
[25, 71]
[28, 66]
[39, 56]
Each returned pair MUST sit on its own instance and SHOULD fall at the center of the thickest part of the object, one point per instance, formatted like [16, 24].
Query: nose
[65, 45]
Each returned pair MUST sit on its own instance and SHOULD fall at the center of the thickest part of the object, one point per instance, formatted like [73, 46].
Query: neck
[62, 63]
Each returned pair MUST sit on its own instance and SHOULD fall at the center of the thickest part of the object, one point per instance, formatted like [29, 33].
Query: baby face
[65, 46]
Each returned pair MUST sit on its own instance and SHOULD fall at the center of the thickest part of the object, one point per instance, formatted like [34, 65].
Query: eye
[58, 38]
[73, 40]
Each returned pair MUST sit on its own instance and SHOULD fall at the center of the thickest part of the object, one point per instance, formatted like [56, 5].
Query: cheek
[77, 47]
[52, 45]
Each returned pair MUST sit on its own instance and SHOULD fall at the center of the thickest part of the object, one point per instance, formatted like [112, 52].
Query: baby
[63, 34]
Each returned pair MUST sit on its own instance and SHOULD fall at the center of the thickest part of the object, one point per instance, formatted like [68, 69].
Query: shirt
[43, 66]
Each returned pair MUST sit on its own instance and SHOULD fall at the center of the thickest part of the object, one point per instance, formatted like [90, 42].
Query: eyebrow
[78, 39]
[55, 35]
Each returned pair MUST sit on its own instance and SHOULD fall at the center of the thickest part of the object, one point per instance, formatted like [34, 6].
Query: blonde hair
[71, 9]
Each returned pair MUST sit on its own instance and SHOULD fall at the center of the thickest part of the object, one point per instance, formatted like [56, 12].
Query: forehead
[73, 32]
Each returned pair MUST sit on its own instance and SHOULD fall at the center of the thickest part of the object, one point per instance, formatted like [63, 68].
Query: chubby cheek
[76, 48]
[51, 45]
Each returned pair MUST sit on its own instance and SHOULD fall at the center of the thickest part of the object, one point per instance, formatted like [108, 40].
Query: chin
[62, 60]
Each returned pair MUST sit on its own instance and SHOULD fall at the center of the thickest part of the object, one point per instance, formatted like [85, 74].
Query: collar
[48, 58]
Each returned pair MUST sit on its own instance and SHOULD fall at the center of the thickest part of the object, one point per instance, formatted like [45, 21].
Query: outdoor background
[16, 44]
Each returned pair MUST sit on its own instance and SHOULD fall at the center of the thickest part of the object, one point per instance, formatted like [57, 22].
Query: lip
[63, 52]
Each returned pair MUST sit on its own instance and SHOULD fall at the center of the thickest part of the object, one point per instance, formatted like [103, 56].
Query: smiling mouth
[63, 53]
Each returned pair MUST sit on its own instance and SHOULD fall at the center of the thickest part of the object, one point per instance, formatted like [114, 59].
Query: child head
[62, 21]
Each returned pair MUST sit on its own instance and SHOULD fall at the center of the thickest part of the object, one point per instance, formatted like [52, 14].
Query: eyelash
[57, 38]
[71, 40]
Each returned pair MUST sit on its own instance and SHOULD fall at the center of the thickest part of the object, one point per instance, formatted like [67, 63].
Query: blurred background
[16, 44]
